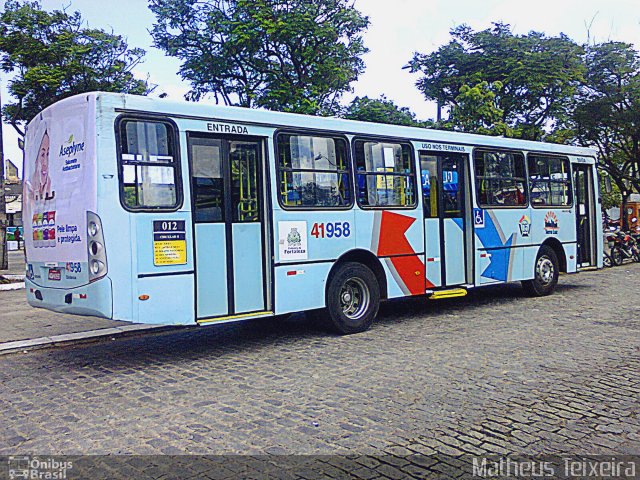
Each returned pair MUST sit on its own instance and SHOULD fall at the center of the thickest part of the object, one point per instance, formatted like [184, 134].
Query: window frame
[176, 164]
[191, 135]
[569, 180]
[278, 169]
[485, 206]
[412, 164]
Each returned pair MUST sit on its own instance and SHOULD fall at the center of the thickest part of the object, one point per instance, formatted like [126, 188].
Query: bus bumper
[95, 299]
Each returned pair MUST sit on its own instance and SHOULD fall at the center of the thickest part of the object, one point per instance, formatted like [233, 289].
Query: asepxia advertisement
[59, 181]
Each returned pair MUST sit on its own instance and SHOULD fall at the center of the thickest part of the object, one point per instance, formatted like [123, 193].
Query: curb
[17, 279]
[5, 287]
[81, 337]
[13, 276]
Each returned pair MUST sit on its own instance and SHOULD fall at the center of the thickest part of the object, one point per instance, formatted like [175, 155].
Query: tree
[607, 115]
[539, 76]
[476, 110]
[53, 56]
[382, 110]
[291, 55]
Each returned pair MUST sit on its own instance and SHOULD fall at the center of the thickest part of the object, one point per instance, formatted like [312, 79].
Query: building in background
[13, 199]
[633, 212]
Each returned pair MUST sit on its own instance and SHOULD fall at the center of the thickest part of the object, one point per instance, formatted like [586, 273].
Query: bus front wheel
[546, 273]
[353, 298]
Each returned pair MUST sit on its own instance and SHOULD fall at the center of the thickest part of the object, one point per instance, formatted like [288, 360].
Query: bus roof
[249, 116]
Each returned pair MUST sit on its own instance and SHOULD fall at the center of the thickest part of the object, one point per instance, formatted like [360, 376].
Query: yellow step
[228, 318]
[453, 292]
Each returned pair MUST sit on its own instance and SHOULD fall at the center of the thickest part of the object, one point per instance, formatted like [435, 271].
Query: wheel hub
[545, 270]
[354, 298]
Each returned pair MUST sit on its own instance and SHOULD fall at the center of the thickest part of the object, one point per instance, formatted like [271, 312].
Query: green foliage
[607, 115]
[538, 76]
[476, 110]
[609, 199]
[382, 110]
[53, 56]
[290, 55]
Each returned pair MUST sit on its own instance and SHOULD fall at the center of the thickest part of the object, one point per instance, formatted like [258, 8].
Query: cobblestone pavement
[491, 373]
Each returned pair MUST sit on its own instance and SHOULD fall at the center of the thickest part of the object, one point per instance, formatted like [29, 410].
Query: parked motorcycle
[623, 246]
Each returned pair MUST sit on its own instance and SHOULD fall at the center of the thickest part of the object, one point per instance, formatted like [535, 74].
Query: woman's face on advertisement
[43, 157]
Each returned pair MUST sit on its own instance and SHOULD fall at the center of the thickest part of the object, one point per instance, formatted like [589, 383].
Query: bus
[163, 212]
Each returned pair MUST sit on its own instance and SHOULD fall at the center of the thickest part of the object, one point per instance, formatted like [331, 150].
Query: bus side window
[313, 171]
[500, 179]
[549, 181]
[387, 173]
[148, 165]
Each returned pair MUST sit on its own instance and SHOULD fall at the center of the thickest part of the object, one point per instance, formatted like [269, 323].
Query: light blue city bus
[163, 212]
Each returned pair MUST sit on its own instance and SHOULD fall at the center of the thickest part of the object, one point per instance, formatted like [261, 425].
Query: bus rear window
[148, 165]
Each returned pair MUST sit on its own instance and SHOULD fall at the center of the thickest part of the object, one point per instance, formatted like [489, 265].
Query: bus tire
[353, 298]
[546, 272]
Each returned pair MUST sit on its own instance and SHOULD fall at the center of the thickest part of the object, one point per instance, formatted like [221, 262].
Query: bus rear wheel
[546, 273]
[353, 298]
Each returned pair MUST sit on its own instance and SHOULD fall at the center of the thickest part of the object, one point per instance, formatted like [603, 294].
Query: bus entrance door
[584, 214]
[445, 196]
[228, 214]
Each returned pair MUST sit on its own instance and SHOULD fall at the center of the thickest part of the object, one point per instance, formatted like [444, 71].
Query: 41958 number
[331, 230]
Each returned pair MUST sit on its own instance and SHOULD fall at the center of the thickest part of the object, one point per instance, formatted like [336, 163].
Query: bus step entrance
[453, 292]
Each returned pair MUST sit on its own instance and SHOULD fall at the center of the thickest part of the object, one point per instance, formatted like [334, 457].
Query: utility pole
[4, 259]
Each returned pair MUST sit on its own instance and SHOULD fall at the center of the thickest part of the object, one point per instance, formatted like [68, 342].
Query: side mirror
[607, 184]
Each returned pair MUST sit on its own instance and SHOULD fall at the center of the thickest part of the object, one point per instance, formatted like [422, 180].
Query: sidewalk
[16, 263]
[24, 327]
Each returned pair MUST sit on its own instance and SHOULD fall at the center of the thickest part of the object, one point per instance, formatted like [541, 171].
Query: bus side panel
[172, 273]
[301, 287]
[404, 276]
[116, 222]
[327, 235]
[390, 232]
[396, 235]
[558, 224]
[170, 300]
[571, 252]
[498, 237]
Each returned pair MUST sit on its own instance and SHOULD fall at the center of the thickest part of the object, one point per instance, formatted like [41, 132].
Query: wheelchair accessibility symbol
[478, 217]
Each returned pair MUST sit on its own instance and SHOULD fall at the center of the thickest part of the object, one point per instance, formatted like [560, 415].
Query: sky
[398, 28]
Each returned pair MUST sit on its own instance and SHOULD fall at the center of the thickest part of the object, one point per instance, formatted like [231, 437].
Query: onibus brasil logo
[37, 467]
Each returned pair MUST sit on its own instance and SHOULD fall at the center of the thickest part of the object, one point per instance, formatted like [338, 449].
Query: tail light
[95, 245]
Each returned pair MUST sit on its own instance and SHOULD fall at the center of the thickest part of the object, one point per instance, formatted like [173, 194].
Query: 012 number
[331, 230]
